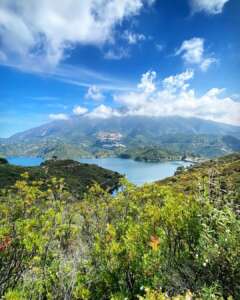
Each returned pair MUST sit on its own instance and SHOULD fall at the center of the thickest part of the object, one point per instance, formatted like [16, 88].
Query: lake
[137, 172]
[25, 161]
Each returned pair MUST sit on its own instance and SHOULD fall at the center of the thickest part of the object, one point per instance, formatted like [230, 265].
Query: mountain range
[84, 136]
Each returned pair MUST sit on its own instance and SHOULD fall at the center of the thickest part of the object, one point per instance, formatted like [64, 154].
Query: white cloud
[116, 54]
[3, 56]
[207, 62]
[236, 97]
[55, 117]
[132, 37]
[176, 97]
[94, 93]
[178, 81]
[172, 96]
[192, 52]
[212, 7]
[147, 82]
[44, 31]
[159, 47]
[104, 112]
[79, 110]
[85, 77]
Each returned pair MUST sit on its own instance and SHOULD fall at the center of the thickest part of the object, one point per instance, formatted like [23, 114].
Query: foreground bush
[143, 243]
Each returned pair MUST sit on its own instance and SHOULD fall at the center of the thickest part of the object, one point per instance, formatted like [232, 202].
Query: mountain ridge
[192, 125]
[81, 135]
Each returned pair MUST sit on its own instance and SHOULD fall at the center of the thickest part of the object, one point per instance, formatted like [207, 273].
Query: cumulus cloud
[172, 96]
[212, 7]
[175, 96]
[79, 110]
[132, 37]
[147, 82]
[94, 93]
[179, 81]
[55, 117]
[104, 112]
[192, 53]
[43, 31]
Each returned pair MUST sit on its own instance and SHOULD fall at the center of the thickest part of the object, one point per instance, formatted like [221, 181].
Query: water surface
[25, 161]
[136, 171]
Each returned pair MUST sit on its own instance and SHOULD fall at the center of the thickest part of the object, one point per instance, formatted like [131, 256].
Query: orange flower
[3, 245]
[154, 242]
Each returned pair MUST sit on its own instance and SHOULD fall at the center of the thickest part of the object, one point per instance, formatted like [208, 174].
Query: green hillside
[159, 147]
[77, 176]
[178, 239]
[225, 169]
[220, 175]
[150, 154]
[45, 149]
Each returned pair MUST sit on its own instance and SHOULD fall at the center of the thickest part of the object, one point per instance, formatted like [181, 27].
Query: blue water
[136, 172]
[25, 161]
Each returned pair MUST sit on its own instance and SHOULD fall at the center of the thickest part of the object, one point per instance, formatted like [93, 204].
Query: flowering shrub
[143, 243]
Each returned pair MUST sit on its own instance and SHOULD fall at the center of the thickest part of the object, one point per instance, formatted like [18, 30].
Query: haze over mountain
[80, 129]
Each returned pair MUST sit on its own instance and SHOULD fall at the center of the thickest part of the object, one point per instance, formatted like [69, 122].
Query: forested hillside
[78, 177]
[150, 154]
[177, 239]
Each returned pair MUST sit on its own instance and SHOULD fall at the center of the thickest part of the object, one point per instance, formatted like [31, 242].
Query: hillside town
[110, 140]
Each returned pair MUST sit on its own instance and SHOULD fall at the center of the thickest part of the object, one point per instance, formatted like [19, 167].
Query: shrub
[143, 243]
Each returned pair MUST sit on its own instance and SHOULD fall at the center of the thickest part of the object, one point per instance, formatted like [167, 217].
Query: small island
[150, 154]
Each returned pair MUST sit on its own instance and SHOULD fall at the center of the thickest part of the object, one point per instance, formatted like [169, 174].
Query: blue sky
[104, 58]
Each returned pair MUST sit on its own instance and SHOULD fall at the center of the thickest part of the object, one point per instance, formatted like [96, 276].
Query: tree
[3, 161]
